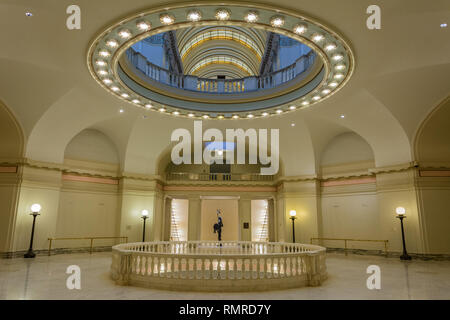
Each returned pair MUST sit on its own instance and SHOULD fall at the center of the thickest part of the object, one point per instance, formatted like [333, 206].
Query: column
[280, 220]
[194, 219]
[167, 219]
[272, 221]
[245, 216]
[135, 196]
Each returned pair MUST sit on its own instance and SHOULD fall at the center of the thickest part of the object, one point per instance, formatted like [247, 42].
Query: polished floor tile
[45, 278]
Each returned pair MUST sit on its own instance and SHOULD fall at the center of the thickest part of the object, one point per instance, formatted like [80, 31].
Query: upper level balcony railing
[193, 83]
[186, 176]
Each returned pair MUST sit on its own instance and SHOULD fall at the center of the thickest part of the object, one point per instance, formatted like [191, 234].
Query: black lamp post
[144, 217]
[293, 214]
[401, 215]
[35, 208]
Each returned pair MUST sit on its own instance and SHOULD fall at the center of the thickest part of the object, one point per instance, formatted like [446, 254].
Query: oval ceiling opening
[222, 63]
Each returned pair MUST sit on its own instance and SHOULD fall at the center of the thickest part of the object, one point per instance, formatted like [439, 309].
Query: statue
[218, 226]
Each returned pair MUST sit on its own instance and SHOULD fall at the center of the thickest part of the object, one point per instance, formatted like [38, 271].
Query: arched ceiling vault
[242, 47]
[45, 82]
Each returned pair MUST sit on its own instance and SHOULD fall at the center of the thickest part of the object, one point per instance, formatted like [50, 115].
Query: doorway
[230, 219]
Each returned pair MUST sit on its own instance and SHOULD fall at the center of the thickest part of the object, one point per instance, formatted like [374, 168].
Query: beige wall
[87, 211]
[435, 204]
[230, 216]
[362, 211]
[38, 186]
[351, 215]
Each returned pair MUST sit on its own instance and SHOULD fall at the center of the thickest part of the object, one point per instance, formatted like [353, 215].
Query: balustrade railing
[186, 176]
[193, 83]
[224, 266]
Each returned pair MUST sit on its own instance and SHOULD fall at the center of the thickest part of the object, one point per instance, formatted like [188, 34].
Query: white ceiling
[402, 73]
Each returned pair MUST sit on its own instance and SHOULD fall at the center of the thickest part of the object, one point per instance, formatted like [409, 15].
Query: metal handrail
[83, 238]
[386, 242]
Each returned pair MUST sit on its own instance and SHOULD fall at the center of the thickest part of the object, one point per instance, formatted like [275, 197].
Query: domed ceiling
[221, 63]
[216, 51]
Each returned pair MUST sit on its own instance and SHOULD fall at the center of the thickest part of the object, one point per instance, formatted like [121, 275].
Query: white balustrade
[218, 266]
[193, 83]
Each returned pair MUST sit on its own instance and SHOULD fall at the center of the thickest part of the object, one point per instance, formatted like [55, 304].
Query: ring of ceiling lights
[107, 48]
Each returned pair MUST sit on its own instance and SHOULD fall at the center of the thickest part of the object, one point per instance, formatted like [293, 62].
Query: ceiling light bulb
[190, 115]
[333, 84]
[220, 152]
[444, 25]
[292, 124]
[102, 72]
[112, 43]
[342, 116]
[143, 25]
[136, 101]
[115, 89]
[277, 22]
[222, 14]
[337, 57]
[339, 76]
[326, 91]
[300, 29]
[121, 111]
[265, 114]
[107, 81]
[205, 116]
[124, 34]
[220, 117]
[250, 116]
[305, 103]
[318, 37]
[28, 14]
[251, 17]
[148, 106]
[340, 67]
[235, 116]
[167, 19]
[279, 111]
[104, 53]
[316, 98]
[162, 109]
[330, 47]
[176, 113]
[125, 95]
[292, 107]
[194, 15]
[100, 63]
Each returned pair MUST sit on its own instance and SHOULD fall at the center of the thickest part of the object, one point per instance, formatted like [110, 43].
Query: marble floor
[45, 278]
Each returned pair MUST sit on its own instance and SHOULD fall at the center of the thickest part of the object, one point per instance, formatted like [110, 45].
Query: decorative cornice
[394, 168]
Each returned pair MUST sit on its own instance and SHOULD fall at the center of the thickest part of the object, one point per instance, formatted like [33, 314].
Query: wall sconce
[401, 214]
[35, 209]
